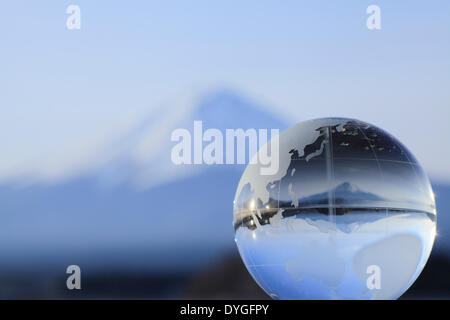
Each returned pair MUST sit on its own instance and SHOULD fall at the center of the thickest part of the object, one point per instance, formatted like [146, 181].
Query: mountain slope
[133, 212]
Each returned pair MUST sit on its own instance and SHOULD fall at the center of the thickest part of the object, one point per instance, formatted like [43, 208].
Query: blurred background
[86, 117]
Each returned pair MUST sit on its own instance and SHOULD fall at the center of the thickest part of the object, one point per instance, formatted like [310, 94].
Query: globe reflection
[350, 214]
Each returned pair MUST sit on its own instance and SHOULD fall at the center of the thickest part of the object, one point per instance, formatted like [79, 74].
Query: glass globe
[349, 214]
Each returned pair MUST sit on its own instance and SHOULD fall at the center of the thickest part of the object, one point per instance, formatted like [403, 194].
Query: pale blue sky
[65, 93]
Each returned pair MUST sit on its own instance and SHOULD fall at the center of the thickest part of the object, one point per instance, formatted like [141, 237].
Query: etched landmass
[323, 257]
[345, 166]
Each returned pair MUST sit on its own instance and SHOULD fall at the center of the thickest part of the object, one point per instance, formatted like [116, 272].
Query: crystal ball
[349, 214]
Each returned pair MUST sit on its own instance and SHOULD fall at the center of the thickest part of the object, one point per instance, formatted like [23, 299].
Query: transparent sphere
[349, 214]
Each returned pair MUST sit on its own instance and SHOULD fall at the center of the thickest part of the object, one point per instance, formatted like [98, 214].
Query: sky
[66, 93]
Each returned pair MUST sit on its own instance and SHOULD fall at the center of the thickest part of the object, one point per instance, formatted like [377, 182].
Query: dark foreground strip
[198, 309]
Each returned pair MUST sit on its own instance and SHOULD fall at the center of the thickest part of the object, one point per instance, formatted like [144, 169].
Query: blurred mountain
[104, 219]
[345, 191]
[442, 242]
